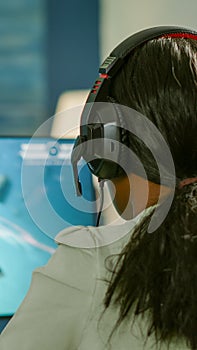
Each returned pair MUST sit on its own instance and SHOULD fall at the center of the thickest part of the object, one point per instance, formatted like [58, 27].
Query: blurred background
[45, 48]
[49, 48]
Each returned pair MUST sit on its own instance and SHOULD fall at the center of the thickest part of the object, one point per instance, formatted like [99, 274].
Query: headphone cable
[101, 187]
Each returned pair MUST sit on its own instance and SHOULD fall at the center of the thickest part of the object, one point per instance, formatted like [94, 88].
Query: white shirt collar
[94, 237]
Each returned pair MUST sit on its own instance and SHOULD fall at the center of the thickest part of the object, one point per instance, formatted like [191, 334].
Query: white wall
[121, 18]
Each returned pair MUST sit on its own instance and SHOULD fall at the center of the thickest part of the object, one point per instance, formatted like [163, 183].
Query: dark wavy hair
[158, 272]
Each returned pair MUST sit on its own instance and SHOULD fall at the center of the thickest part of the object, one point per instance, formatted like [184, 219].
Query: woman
[139, 291]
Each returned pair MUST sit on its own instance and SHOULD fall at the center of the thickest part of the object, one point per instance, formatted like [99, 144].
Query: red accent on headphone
[180, 35]
[104, 76]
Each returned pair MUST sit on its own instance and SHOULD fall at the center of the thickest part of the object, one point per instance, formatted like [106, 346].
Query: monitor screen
[37, 200]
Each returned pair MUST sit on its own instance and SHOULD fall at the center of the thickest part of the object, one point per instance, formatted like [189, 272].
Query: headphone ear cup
[105, 164]
[104, 169]
[123, 138]
[108, 147]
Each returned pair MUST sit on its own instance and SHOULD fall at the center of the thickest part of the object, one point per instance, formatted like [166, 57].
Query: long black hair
[157, 273]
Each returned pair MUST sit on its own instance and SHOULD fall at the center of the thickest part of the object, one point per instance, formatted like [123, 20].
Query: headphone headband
[116, 59]
[139, 38]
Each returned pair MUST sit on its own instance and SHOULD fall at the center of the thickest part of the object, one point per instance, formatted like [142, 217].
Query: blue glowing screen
[37, 200]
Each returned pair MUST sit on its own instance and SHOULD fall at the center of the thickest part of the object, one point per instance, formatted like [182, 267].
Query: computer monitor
[37, 200]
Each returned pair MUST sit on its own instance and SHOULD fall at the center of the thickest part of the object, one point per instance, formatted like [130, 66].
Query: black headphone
[102, 130]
